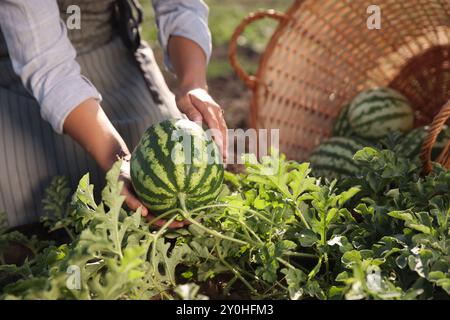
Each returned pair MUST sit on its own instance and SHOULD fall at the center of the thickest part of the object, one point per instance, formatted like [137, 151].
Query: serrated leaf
[307, 238]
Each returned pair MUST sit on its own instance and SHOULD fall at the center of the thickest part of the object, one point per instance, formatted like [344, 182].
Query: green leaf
[444, 284]
[336, 293]
[259, 203]
[289, 245]
[419, 227]
[164, 262]
[366, 155]
[402, 215]
[351, 257]
[316, 269]
[345, 196]
[295, 279]
[307, 238]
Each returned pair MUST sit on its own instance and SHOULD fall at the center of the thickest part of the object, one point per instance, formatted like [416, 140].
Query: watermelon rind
[342, 127]
[176, 165]
[376, 112]
[333, 158]
[411, 144]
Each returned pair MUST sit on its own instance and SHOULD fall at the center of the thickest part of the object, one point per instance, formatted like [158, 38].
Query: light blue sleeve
[186, 18]
[44, 58]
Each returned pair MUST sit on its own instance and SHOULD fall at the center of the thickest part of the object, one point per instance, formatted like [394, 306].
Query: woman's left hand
[200, 107]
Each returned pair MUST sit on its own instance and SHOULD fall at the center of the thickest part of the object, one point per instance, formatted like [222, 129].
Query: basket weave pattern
[323, 54]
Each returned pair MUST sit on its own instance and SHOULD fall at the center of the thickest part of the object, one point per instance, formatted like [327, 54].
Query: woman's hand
[131, 199]
[189, 62]
[200, 107]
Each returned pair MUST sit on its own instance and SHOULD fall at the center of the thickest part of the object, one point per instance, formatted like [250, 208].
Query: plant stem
[225, 205]
[302, 217]
[214, 233]
[162, 216]
[300, 254]
[230, 283]
[285, 263]
[247, 229]
[69, 233]
[182, 199]
[245, 282]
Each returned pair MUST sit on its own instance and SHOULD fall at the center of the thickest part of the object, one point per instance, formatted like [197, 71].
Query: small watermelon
[411, 144]
[342, 126]
[176, 164]
[334, 157]
[376, 112]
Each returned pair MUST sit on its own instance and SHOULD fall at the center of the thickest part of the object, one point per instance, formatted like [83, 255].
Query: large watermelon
[176, 164]
[333, 158]
[342, 126]
[376, 112]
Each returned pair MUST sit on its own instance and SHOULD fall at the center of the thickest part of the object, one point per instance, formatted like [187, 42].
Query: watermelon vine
[382, 234]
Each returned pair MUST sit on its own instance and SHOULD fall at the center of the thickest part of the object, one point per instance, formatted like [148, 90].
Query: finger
[134, 204]
[210, 114]
[185, 106]
[222, 134]
[176, 225]
[186, 222]
[205, 101]
[161, 222]
[224, 129]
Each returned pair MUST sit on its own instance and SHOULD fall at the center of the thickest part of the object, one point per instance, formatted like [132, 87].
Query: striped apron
[134, 92]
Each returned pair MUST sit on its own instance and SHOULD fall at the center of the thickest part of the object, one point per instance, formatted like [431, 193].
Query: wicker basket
[322, 54]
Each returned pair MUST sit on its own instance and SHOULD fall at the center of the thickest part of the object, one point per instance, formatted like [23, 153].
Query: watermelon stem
[300, 254]
[165, 214]
[286, 263]
[213, 232]
[248, 231]
[302, 217]
[187, 216]
[182, 201]
[227, 205]
[236, 273]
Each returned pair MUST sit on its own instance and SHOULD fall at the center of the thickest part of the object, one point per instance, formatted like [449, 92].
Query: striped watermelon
[441, 142]
[376, 112]
[411, 144]
[176, 164]
[334, 157]
[342, 126]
